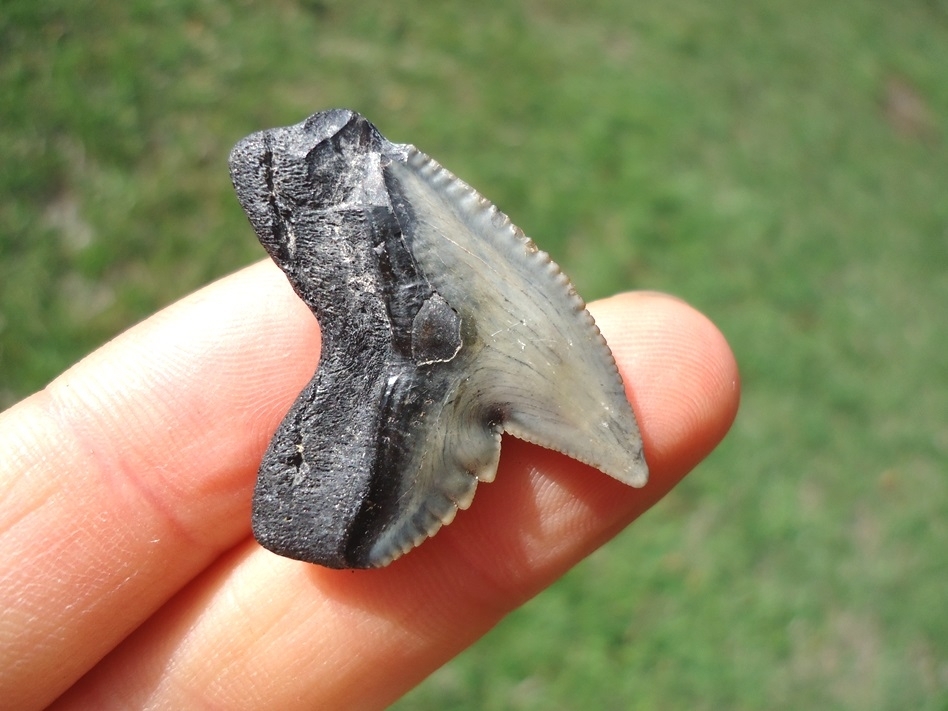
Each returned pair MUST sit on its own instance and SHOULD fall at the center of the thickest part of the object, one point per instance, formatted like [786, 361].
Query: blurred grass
[783, 166]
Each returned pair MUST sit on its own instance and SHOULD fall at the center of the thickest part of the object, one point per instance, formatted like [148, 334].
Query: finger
[133, 471]
[258, 631]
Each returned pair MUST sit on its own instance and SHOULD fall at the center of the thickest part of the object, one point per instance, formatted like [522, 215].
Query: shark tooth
[443, 327]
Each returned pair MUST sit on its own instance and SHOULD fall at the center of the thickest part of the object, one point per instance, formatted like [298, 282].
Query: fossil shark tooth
[443, 326]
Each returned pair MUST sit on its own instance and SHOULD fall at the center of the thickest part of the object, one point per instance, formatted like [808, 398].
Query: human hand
[128, 577]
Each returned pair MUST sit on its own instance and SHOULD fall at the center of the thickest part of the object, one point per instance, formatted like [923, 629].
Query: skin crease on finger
[139, 502]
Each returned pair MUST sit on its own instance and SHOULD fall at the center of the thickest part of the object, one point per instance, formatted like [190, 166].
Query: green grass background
[783, 166]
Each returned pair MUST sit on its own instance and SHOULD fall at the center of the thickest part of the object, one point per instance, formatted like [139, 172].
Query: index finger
[133, 471]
